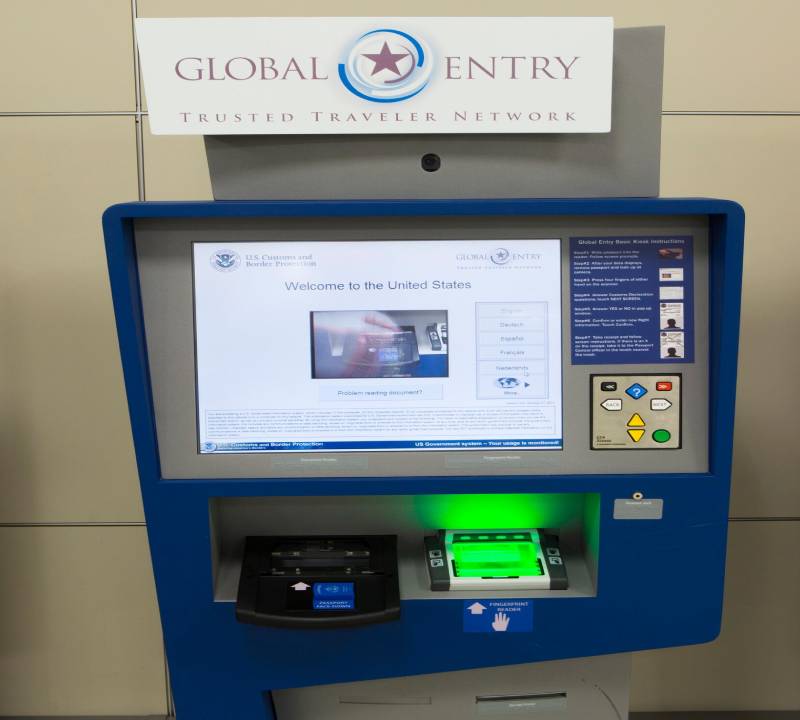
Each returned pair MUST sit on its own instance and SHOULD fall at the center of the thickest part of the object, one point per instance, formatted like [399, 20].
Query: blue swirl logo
[386, 66]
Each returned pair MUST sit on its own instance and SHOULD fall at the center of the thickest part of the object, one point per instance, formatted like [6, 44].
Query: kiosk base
[595, 687]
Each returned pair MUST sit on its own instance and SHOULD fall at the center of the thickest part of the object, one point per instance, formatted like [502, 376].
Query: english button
[636, 391]
[661, 436]
[612, 404]
[664, 386]
[660, 404]
[608, 386]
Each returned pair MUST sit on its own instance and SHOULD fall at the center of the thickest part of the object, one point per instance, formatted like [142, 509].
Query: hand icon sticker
[500, 623]
[495, 616]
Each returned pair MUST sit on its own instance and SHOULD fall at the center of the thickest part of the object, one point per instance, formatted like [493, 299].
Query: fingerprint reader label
[497, 616]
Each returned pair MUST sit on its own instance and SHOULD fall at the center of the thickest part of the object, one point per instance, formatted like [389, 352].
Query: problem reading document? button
[347, 393]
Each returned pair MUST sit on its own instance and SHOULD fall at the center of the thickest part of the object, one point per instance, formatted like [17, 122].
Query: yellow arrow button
[636, 421]
[636, 435]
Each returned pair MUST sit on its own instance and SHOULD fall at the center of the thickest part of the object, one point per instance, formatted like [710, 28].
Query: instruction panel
[632, 299]
[390, 345]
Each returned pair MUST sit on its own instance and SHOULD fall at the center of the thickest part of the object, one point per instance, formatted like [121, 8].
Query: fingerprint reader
[496, 559]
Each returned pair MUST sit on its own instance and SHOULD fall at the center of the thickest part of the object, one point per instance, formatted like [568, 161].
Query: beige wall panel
[754, 161]
[755, 663]
[58, 56]
[719, 55]
[65, 445]
[79, 629]
[175, 167]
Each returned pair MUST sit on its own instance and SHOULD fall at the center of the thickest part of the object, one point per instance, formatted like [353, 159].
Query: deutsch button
[664, 386]
[636, 421]
[661, 436]
[612, 404]
[660, 404]
[608, 386]
[636, 434]
[636, 391]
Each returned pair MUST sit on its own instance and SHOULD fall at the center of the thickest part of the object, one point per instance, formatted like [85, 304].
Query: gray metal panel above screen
[622, 163]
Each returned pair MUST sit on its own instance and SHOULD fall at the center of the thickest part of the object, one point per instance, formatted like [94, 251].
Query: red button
[663, 386]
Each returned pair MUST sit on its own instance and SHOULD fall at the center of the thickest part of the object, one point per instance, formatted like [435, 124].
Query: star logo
[386, 59]
[386, 66]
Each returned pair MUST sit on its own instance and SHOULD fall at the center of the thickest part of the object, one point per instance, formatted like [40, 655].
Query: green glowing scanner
[495, 560]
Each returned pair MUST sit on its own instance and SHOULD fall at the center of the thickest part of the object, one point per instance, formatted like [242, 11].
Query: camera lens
[431, 162]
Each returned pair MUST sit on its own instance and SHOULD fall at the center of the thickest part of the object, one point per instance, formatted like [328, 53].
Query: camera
[431, 162]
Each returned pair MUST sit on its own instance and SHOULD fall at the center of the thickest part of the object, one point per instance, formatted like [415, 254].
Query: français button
[636, 391]
[663, 386]
[608, 386]
[662, 436]
[636, 421]
[636, 434]
[612, 404]
[660, 404]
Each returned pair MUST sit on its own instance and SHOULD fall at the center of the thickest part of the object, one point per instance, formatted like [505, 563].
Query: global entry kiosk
[428, 424]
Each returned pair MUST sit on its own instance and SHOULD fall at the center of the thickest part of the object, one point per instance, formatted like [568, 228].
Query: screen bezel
[163, 250]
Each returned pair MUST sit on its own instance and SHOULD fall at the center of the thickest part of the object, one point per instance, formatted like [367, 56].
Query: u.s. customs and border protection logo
[386, 66]
[225, 260]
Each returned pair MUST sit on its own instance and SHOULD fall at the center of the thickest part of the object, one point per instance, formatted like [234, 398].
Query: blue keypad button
[636, 391]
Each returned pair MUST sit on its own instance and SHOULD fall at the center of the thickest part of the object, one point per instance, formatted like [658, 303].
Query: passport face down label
[334, 596]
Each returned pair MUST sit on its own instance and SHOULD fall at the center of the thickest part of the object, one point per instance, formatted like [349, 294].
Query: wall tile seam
[145, 113]
[142, 523]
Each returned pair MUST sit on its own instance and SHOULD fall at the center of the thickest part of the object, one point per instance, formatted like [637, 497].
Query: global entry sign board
[220, 76]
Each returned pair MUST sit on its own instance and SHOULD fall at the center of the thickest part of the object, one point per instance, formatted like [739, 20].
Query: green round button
[661, 436]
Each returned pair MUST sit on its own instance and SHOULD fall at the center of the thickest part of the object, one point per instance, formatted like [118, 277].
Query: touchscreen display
[386, 345]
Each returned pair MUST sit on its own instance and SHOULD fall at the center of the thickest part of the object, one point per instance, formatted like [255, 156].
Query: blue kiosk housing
[618, 521]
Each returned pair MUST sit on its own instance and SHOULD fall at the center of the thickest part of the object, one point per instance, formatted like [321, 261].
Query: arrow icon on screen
[476, 608]
[301, 586]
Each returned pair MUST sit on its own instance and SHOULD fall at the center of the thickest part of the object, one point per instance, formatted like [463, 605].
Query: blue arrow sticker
[490, 616]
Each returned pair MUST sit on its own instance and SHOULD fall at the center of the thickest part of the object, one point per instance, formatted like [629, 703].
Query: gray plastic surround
[163, 249]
